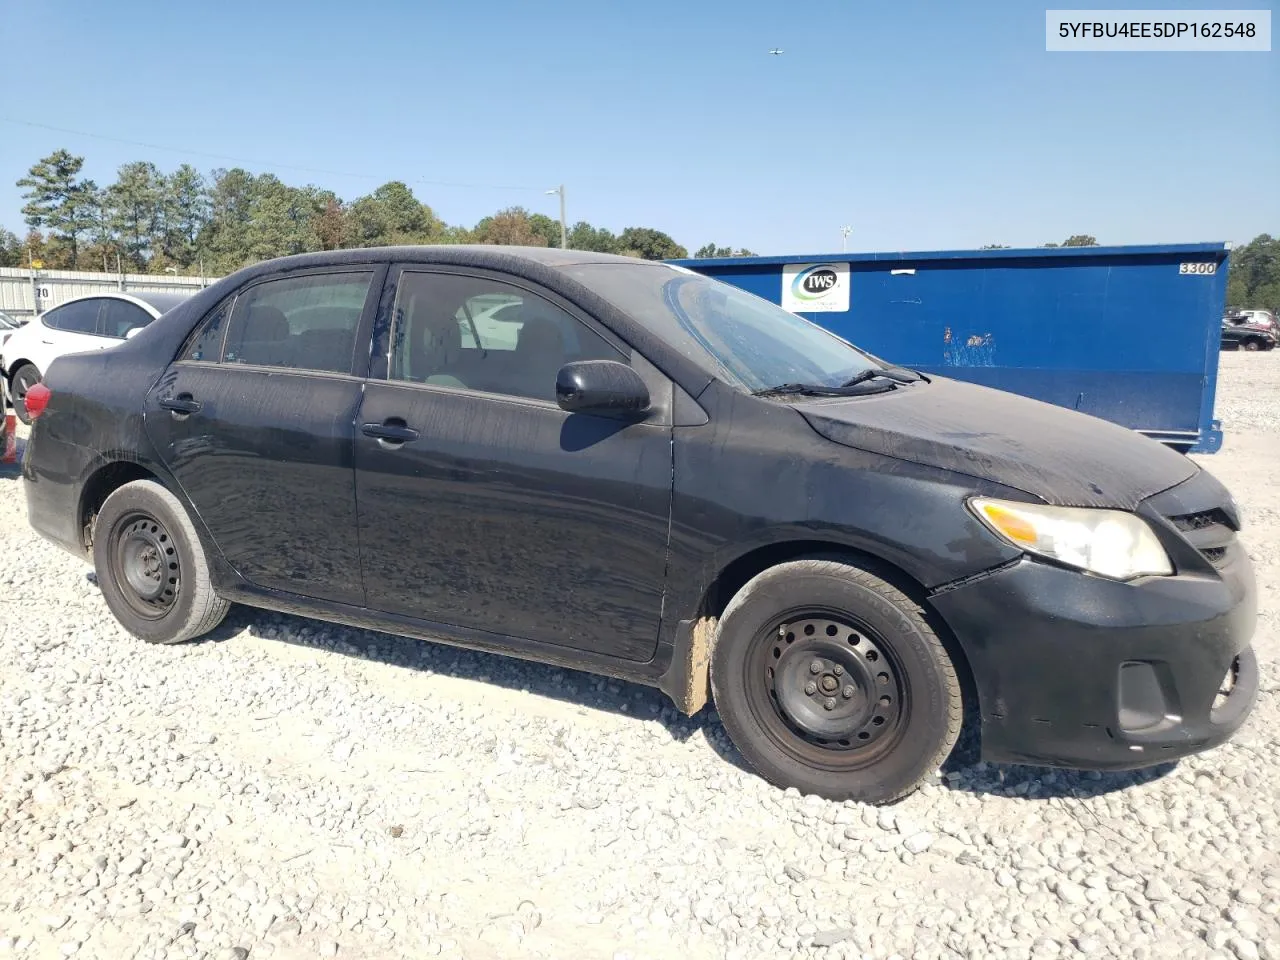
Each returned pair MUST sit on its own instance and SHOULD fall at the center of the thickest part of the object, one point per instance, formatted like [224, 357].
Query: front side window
[118, 317]
[306, 323]
[485, 335]
[751, 342]
[78, 317]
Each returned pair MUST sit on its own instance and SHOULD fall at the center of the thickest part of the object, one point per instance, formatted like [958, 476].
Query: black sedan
[629, 468]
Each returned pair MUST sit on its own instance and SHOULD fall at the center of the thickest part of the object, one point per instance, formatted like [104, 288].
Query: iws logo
[815, 287]
[814, 283]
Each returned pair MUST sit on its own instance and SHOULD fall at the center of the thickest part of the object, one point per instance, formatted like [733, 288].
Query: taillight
[37, 399]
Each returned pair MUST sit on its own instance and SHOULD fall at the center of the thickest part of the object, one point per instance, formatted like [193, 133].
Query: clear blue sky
[923, 125]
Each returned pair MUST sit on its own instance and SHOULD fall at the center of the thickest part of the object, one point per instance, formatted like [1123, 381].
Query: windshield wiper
[852, 387]
[896, 374]
[859, 389]
[801, 389]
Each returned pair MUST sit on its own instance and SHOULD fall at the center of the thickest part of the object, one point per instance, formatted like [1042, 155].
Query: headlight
[1112, 543]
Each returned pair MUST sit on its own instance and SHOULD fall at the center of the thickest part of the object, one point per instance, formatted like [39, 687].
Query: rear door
[256, 421]
[482, 503]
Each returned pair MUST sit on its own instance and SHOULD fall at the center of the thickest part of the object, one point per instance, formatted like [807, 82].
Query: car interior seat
[539, 353]
[262, 338]
[325, 349]
[435, 349]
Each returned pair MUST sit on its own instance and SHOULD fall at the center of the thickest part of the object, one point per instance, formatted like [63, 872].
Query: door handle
[47, 343]
[391, 433]
[181, 406]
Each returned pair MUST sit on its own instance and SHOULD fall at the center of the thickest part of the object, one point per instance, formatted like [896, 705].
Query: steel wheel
[831, 680]
[152, 567]
[838, 698]
[144, 565]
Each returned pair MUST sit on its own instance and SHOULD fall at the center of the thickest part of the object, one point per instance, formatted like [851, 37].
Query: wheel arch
[116, 469]
[12, 368]
[100, 484]
[691, 686]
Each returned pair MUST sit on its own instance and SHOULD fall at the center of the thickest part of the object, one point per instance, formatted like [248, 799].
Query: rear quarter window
[206, 345]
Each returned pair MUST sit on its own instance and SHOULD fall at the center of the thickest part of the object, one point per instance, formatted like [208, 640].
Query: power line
[259, 163]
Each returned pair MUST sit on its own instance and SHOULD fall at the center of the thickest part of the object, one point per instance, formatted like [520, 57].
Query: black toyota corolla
[632, 469]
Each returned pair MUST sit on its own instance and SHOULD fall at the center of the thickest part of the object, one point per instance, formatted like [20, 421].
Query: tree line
[1075, 240]
[148, 220]
[1254, 280]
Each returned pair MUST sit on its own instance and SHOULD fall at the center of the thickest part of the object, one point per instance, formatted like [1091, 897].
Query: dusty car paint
[610, 545]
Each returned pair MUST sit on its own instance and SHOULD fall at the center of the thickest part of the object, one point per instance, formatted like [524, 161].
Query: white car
[8, 324]
[94, 322]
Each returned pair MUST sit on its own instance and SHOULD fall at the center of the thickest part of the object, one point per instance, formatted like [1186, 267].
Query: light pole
[844, 238]
[564, 232]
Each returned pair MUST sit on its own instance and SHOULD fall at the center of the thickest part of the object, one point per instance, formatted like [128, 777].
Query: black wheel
[151, 566]
[830, 680]
[1252, 345]
[23, 379]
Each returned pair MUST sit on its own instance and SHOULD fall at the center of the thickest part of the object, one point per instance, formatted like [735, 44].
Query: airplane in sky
[776, 51]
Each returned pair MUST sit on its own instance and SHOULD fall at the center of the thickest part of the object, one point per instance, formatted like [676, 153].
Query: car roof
[161, 301]
[475, 254]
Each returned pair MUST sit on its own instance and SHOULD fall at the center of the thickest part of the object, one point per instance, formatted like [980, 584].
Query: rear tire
[1253, 345]
[152, 567]
[23, 379]
[829, 679]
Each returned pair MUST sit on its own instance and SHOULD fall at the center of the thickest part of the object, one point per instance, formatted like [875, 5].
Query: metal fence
[26, 293]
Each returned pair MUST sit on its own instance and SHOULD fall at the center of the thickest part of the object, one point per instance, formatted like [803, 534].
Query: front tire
[829, 679]
[23, 379]
[152, 567]
[1253, 345]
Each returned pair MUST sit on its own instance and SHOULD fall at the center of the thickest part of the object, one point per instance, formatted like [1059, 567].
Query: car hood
[1061, 456]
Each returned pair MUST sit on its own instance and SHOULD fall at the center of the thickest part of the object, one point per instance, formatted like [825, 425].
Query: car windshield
[8, 323]
[752, 343]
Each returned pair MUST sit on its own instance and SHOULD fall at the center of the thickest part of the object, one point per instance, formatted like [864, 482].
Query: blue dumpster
[1129, 334]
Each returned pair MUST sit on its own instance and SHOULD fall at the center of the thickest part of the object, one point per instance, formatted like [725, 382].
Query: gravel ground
[293, 789]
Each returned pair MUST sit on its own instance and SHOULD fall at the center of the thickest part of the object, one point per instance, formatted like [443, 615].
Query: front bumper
[1080, 671]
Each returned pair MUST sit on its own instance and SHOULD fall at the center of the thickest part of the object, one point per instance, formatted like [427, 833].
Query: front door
[481, 503]
[256, 422]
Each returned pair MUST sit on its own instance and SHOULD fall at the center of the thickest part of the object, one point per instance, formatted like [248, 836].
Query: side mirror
[600, 386]
[132, 332]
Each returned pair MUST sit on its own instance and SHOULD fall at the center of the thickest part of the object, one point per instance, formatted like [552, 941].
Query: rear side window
[304, 323]
[78, 317]
[307, 323]
[118, 317]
